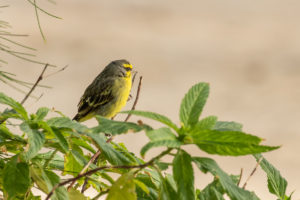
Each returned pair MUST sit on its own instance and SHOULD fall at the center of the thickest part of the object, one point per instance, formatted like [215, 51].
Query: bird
[108, 93]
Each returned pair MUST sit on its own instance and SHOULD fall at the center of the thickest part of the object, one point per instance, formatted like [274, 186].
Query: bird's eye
[127, 69]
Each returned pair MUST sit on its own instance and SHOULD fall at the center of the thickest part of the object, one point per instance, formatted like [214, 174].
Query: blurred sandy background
[247, 50]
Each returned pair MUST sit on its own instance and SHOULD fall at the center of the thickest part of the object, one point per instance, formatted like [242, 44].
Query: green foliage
[276, 183]
[44, 151]
[184, 175]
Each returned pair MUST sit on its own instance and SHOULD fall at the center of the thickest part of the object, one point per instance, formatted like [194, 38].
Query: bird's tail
[77, 117]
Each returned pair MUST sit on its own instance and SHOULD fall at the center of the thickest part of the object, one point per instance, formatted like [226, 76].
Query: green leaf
[111, 154]
[42, 113]
[61, 139]
[16, 179]
[193, 103]
[212, 192]
[141, 185]
[117, 127]
[5, 133]
[76, 195]
[51, 180]
[161, 134]
[71, 165]
[56, 161]
[228, 126]
[155, 116]
[123, 188]
[80, 142]
[232, 143]
[276, 183]
[160, 137]
[14, 105]
[36, 140]
[207, 123]
[64, 122]
[160, 143]
[147, 180]
[184, 175]
[233, 191]
[46, 180]
[167, 191]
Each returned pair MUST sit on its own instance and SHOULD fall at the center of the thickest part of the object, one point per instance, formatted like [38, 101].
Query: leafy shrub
[48, 151]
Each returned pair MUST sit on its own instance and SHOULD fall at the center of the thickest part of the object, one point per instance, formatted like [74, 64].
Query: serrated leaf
[160, 137]
[161, 134]
[233, 191]
[155, 116]
[36, 140]
[216, 136]
[14, 105]
[16, 179]
[206, 123]
[276, 183]
[232, 143]
[61, 139]
[64, 122]
[160, 143]
[123, 188]
[184, 175]
[111, 154]
[117, 127]
[192, 104]
[228, 126]
[42, 113]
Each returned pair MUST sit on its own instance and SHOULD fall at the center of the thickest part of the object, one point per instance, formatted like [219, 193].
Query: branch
[142, 166]
[34, 85]
[240, 178]
[253, 171]
[136, 98]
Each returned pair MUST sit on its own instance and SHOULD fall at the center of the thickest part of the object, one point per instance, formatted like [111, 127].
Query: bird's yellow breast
[121, 90]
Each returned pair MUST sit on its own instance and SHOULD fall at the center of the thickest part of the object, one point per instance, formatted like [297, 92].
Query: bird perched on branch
[108, 93]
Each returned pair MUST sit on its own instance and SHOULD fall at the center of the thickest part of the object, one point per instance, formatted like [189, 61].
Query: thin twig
[60, 70]
[240, 178]
[136, 98]
[253, 171]
[108, 167]
[86, 167]
[34, 85]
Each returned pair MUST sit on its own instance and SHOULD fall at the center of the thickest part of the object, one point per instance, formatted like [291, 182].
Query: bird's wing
[97, 94]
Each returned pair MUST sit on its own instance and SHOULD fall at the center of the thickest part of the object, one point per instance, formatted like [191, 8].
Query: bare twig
[108, 167]
[240, 178]
[136, 98]
[60, 70]
[34, 85]
[251, 174]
